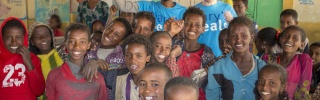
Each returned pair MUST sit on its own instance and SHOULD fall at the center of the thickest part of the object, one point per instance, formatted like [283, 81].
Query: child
[143, 23]
[21, 75]
[41, 43]
[97, 25]
[298, 66]
[152, 80]
[162, 52]
[181, 88]
[110, 54]
[67, 82]
[234, 76]
[194, 55]
[289, 17]
[55, 24]
[266, 39]
[315, 55]
[272, 82]
[137, 51]
[224, 45]
[129, 16]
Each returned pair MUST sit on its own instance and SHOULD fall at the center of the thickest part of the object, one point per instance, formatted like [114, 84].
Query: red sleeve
[35, 77]
[172, 64]
[102, 88]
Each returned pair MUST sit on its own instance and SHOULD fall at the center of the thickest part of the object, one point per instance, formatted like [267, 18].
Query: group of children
[124, 59]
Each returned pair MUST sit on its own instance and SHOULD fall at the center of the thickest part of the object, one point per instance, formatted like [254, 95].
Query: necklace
[247, 68]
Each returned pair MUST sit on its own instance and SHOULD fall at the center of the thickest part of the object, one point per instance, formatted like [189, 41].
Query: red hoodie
[17, 82]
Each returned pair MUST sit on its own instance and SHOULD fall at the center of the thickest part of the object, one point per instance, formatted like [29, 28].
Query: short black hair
[181, 81]
[295, 27]
[245, 2]
[269, 35]
[223, 32]
[13, 23]
[290, 12]
[147, 15]
[75, 27]
[137, 39]
[242, 20]
[316, 44]
[54, 16]
[156, 34]
[126, 24]
[96, 21]
[196, 11]
[159, 66]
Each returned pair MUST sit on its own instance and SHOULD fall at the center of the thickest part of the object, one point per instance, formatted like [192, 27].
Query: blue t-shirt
[214, 24]
[161, 13]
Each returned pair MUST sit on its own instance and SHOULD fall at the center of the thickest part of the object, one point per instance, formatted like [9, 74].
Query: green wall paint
[265, 12]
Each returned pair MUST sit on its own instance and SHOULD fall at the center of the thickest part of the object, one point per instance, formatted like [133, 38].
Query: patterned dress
[87, 15]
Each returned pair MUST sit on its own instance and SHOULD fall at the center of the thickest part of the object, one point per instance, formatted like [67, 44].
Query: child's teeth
[44, 43]
[149, 98]
[76, 53]
[238, 45]
[265, 93]
[161, 56]
[134, 66]
[191, 33]
[107, 39]
[13, 47]
[287, 44]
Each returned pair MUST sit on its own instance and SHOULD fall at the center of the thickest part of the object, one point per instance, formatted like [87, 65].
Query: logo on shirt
[9, 81]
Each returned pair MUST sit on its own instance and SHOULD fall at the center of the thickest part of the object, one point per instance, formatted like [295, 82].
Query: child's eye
[155, 84]
[142, 84]
[157, 46]
[71, 42]
[272, 83]
[128, 55]
[83, 42]
[168, 48]
[260, 82]
[139, 56]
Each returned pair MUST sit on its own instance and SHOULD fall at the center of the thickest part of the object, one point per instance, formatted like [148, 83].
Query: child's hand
[227, 50]
[90, 70]
[25, 53]
[175, 27]
[113, 10]
[210, 63]
[167, 24]
[94, 45]
[176, 51]
[228, 16]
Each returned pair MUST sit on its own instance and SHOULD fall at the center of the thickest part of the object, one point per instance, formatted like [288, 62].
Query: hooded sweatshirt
[17, 82]
[48, 61]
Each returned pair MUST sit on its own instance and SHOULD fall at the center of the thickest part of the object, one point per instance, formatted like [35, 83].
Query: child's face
[239, 7]
[269, 84]
[128, 16]
[223, 42]
[42, 39]
[161, 48]
[97, 26]
[240, 38]
[315, 54]
[13, 38]
[113, 34]
[53, 23]
[96, 38]
[181, 93]
[193, 26]
[290, 41]
[136, 57]
[151, 84]
[143, 26]
[287, 20]
[77, 44]
[259, 45]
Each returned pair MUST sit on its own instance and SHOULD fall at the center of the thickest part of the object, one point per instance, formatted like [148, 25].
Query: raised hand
[176, 51]
[228, 16]
[113, 10]
[90, 70]
[25, 53]
[175, 27]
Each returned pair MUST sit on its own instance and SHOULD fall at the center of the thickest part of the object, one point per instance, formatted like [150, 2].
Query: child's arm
[126, 6]
[173, 27]
[91, 69]
[102, 88]
[112, 14]
[34, 73]
[171, 61]
[50, 84]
